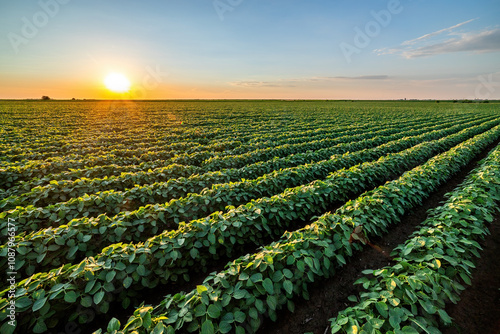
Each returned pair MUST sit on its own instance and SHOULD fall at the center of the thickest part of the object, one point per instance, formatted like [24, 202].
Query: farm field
[246, 216]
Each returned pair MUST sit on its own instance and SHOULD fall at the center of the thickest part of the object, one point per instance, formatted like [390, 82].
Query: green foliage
[46, 249]
[433, 263]
[112, 199]
[301, 253]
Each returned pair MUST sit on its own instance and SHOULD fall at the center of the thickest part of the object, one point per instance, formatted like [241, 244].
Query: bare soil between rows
[477, 312]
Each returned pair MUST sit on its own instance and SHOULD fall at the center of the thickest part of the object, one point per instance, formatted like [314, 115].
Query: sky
[251, 49]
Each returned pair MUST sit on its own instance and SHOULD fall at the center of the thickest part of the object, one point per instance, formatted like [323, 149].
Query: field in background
[216, 216]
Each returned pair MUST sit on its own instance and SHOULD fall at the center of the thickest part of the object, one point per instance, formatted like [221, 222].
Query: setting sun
[117, 83]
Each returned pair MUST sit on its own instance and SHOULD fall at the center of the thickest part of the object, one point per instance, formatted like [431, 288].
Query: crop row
[258, 285]
[147, 150]
[122, 158]
[120, 150]
[221, 144]
[66, 189]
[410, 296]
[137, 136]
[149, 133]
[89, 172]
[36, 169]
[270, 140]
[163, 258]
[26, 186]
[320, 129]
[64, 144]
[56, 148]
[120, 183]
[181, 138]
[33, 218]
[103, 172]
[111, 202]
[47, 248]
[88, 123]
[265, 154]
[12, 174]
[136, 226]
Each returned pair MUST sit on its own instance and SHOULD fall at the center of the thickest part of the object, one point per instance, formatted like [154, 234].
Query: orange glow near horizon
[89, 84]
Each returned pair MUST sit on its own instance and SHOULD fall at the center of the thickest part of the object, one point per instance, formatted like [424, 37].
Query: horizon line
[242, 99]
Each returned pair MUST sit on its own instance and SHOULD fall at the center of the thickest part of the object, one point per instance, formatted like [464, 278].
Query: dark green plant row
[31, 218]
[287, 136]
[67, 178]
[273, 130]
[70, 240]
[181, 140]
[171, 256]
[432, 265]
[148, 149]
[47, 149]
[127, 155]
[232, 161]
[31, 169]
[55, 192]
[103, 171]
[269, 140]
[183, 159]
[46, 249]
[137, 148]
[119, 150]
[138, 138]
[66, 146]
[38, 168]
[263, 154]
[258, 285]
[84, 127]
[132, 139]
[112, 201]
[47, 190]
[64, 192]
[143, 149]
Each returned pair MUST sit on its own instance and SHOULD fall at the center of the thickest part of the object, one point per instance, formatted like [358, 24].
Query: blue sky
[252, 48]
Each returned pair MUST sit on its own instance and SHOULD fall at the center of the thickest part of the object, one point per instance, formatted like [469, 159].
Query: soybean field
[240, 216]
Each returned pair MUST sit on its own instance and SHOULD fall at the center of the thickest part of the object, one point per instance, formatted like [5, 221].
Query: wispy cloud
[301, 81]
[485, 41]
[259, 84]
[362, 77]
[447, 40]
[435, 33]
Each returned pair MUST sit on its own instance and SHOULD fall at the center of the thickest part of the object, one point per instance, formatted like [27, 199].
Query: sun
[117, 82]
